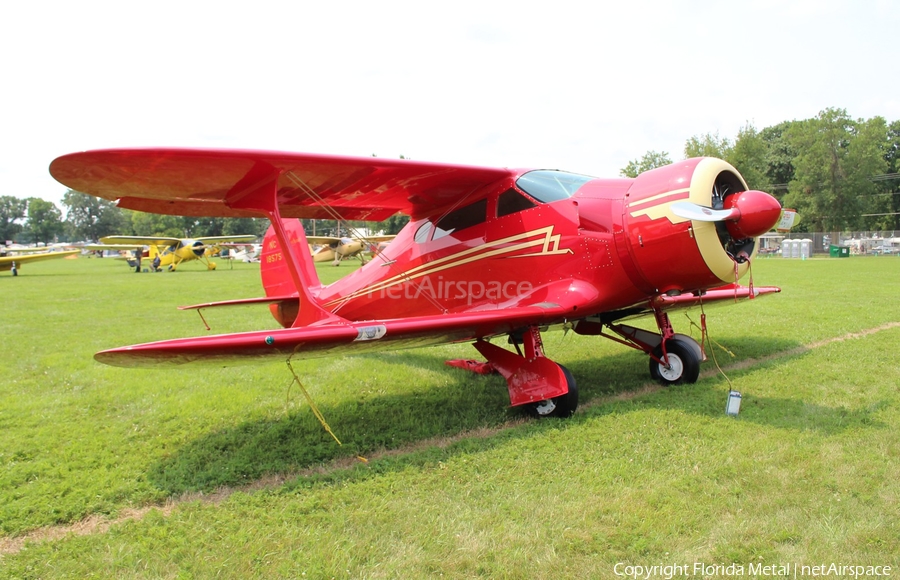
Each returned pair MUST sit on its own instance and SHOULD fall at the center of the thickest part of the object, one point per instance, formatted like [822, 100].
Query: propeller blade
[693, 211]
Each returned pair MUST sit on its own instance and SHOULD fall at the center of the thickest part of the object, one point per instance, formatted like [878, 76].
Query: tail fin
[276, 278]
[278, 282]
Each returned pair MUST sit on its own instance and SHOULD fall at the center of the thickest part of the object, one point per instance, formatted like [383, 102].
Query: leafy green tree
[320, 227]
[204, 226]
[91, 218]
[151, 224]
[748, 155]
[865, 160]
[709, 145]
[245, 226]
[892, 153]
[833, 169]
[891, 181]
[148, 224]
[650, 160]
[780, 155]
[394, 224]
[44, 220]
[12, 209]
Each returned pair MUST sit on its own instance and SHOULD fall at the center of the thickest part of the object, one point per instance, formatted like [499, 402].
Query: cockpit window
[547, 186]
[423, 232]
[459, 219]
[511, 201]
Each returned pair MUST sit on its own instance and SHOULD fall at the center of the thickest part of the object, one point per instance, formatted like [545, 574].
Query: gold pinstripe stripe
[548, 243]
[661, 209]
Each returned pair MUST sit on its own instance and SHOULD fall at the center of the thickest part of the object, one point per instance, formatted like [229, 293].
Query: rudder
[276, 275]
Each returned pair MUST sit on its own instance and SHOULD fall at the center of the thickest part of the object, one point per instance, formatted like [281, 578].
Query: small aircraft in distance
[132, 254]
[334, 250]
[12, 258]
[246, 252]
[488, 253]
[169, 253]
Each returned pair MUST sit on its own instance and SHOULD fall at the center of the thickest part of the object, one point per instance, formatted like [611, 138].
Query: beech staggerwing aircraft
[488, 253]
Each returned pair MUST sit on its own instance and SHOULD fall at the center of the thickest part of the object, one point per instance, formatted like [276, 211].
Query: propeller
[747, 214]
[198, 248]
[700, 213]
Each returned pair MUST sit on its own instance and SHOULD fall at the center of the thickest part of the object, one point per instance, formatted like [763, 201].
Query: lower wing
[6, 262]
[320, 340]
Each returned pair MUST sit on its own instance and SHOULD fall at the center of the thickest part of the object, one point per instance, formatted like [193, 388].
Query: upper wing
[316, 341]
[213, 240]
[322, 240]
[24, 250]
[139, 240]
[210, 182]
[330, 240]
[102, 247]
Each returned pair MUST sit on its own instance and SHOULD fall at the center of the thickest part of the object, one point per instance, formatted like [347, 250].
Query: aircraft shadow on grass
[297, 443]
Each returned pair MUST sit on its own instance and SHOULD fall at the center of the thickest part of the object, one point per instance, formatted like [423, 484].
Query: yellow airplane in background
[169, 253]
[336, 249]
[12, 259]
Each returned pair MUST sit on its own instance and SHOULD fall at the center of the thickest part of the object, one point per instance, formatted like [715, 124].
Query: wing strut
[262, 195]
[316, 198]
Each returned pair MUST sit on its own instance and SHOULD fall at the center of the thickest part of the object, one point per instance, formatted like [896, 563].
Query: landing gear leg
[681, 363]
[562, 406]
[543, 387]
[674, 358]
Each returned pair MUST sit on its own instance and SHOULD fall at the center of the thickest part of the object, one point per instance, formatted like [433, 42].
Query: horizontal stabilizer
[242, 302]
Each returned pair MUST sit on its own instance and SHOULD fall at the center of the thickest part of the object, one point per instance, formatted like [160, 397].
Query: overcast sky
[584, 86]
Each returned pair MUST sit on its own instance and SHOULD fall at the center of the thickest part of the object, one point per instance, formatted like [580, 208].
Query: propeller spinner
[747, 214]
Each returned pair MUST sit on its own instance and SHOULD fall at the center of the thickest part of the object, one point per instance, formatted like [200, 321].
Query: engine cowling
[196, 247]
[693, 225]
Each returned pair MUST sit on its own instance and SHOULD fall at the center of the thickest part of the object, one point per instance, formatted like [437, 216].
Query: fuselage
[550, 237]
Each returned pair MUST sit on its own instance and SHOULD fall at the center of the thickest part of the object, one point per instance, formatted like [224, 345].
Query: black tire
[562, 406]
[684, 362]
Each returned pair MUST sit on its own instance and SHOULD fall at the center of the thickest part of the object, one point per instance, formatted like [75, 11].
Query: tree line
[89, 218]
[839, 173]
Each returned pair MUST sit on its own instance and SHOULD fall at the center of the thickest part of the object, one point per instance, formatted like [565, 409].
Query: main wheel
[684, 362]
[562, 406]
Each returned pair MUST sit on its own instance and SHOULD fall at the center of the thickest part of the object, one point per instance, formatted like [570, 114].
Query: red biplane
[487, 253]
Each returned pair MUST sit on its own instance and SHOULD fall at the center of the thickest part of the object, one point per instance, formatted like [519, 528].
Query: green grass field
[198, 473]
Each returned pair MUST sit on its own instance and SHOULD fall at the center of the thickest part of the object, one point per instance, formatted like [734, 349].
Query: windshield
[547, 186]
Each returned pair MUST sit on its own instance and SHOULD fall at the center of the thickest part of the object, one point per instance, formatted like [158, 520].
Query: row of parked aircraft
[165, 253]
[169, 253]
